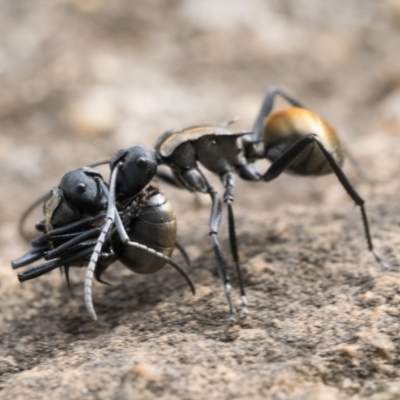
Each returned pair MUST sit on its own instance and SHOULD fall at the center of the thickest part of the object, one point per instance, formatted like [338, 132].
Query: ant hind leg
[285, 160]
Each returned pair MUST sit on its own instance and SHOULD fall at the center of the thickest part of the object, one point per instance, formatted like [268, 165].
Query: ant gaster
[300, 142]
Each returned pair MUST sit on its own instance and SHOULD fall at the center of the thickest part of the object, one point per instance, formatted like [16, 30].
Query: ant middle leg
[215, 220]
[228, 182]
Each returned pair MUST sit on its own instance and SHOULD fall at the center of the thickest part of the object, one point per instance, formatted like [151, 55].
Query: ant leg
[215, 220]
[266, 108]
[110, 216]
[42, 269]
[229, 122]
[26, 214]
[125, 240]
[167, 178]
[248, 172]
[174, 180]
[184, 255]
[284, 161]
[30, 257]
[104, 162]
[228, 182]
[72, 250]
[106, 259]
[90, 234]
[39, 270]
[72, 228]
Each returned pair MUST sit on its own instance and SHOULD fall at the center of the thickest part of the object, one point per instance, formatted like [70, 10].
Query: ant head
[139, 165]
[82, 190]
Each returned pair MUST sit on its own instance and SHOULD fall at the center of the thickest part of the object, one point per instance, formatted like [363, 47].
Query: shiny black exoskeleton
[221, 152]
[294, 140]
[88, 222]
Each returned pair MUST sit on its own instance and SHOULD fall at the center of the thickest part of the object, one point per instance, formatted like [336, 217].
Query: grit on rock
[82, 79]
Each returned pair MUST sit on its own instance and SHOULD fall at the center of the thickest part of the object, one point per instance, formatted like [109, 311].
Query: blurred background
[80, 79]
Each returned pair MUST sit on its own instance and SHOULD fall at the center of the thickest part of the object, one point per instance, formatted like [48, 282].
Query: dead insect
[137, 228]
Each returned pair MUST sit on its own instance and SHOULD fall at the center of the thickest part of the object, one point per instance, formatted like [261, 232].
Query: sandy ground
[82, 79]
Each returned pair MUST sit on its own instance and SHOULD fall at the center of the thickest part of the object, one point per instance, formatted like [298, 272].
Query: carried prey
[90, 223]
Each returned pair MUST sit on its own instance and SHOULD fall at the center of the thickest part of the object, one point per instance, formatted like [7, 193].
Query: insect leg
[215, 220]
[184, 254]
[39, 270]
[71, 228]
[266, 108]
[42, 269]
[110, 216]
[167, 178]
[284, 161]
[26, 214]
[125, 240]
[172, 180]
[226, 124]
[91, 233]
[30, 257]
[228, 182]
[104, 162]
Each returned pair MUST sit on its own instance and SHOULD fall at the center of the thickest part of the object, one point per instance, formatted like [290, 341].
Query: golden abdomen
[285, 127]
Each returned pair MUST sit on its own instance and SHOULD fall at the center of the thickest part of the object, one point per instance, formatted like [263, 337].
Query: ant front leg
[228, 182]
[295, 150]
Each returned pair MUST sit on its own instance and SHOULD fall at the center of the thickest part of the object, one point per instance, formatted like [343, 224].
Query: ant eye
[81, 188]
[141, 162]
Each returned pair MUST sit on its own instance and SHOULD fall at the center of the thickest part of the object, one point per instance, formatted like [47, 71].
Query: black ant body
[87, 222]
[293, 139]
[220, 151]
